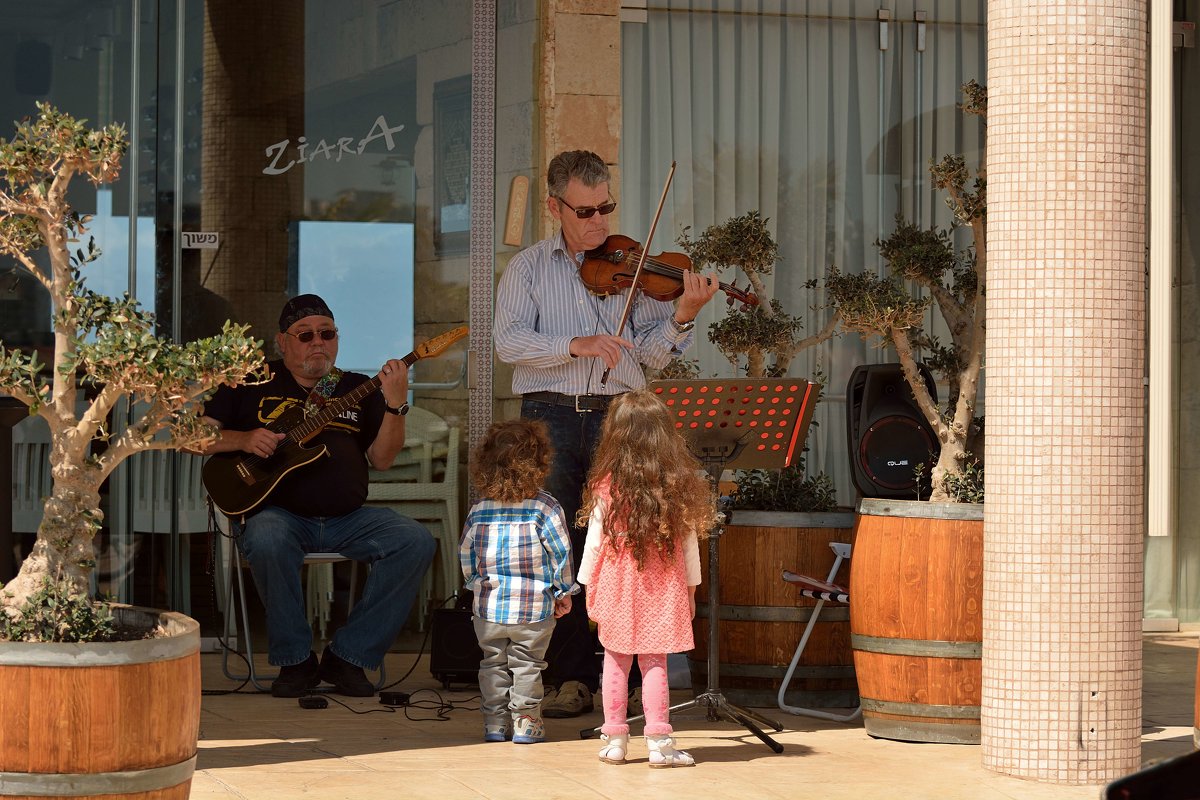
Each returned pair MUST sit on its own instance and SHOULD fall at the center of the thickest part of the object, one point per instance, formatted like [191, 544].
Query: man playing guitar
[318, 507]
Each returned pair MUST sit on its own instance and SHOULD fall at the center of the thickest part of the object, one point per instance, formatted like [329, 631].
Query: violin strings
[670, 269]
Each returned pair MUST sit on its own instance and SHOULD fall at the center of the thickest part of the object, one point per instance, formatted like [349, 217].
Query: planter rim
[791, 519]
[182, 639]
[876, 507]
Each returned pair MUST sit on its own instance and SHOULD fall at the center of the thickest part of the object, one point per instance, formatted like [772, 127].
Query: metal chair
[823, 592]
[244, 644]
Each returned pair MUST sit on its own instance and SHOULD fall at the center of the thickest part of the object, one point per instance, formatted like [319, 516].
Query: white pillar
[1062, 612]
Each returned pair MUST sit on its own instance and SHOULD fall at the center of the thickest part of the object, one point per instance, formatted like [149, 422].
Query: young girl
[645, 503]
[516, 559]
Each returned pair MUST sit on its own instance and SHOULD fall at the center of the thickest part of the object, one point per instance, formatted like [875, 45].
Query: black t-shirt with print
[327, 487]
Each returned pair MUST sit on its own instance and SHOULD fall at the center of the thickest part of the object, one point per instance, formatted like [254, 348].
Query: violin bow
[637, 273]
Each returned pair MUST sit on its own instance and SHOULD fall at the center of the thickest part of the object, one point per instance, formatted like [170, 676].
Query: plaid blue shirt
[516, 558]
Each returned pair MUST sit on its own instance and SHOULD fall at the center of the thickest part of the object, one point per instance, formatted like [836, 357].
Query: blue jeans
[574, 647]
[398, 549]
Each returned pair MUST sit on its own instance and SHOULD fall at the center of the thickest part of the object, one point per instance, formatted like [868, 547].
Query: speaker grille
[891, 449]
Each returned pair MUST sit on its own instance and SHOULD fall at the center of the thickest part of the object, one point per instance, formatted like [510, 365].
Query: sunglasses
[587, 212]
[327, 335]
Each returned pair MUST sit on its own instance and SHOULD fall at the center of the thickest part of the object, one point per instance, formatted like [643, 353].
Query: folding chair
[823, 592]
[234, 569]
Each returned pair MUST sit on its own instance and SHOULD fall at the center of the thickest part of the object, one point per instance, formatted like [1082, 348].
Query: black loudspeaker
[888, 434]
[454, 653]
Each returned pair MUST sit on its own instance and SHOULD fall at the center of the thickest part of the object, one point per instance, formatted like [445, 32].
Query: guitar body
[239, 482]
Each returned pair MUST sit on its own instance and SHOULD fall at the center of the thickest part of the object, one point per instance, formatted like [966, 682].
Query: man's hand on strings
[393, 380]
[698, 289]
[602, 346]
[260, 441]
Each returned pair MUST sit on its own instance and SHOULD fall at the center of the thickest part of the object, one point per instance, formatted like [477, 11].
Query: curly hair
[658, 492]
[512, 461]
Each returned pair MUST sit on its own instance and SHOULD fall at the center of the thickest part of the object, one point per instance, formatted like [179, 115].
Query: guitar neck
[334, 407]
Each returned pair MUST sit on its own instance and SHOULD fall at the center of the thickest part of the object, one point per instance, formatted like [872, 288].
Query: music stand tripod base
[743, 423]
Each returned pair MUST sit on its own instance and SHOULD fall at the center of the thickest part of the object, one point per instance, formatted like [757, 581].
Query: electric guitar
[238, 482]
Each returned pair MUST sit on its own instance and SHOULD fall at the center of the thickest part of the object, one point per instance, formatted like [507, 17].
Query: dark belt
[579, 402]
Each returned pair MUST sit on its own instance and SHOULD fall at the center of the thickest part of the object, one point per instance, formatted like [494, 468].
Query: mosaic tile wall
[1067, 159]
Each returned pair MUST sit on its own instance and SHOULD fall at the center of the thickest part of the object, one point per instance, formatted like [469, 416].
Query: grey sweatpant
[510, 674]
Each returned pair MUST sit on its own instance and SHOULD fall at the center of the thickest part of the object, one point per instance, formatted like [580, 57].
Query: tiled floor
[255, 746]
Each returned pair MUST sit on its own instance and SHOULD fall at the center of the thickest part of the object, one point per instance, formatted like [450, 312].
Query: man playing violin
[560, 338]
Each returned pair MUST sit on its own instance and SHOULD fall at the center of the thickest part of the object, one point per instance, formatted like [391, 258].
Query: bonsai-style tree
[768, 338]
[881, 307]
[104, 348]
[756, 332]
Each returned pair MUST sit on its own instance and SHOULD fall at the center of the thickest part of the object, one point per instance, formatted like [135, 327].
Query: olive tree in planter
[919, 661]
[104, 348]
[882, 308]
[783, 519]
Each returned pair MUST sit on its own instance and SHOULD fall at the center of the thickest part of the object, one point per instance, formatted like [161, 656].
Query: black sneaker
[297, 680]
[346, 678]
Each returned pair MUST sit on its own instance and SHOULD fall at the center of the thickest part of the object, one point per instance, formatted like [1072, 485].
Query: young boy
[516, 559]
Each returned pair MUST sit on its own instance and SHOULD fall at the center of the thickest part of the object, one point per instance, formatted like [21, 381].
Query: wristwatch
[682, 327]
[399, 412]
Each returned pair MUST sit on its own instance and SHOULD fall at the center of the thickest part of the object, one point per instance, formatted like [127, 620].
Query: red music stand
[744, 423]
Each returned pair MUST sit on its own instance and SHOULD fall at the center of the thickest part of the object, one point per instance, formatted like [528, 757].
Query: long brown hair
[658, 491]
[512, 461]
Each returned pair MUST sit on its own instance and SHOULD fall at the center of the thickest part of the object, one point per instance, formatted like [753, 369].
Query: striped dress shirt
[516, 558]
[542, 303]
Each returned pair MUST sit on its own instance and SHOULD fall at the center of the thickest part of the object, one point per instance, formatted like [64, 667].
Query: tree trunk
[755, 362]
[71, 518]
[950, 461]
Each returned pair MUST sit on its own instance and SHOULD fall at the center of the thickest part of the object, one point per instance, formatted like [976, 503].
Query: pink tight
[655, 697]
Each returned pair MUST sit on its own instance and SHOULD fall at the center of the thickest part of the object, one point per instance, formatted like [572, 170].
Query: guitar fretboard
[330, 410]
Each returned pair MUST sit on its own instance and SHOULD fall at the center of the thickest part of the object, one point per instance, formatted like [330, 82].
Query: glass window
[825, 123]
[277, 147]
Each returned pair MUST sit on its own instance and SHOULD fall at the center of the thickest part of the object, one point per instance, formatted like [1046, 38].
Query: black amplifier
[454, 654]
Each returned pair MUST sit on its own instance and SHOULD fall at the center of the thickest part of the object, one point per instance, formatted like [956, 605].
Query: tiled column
[1062, 609]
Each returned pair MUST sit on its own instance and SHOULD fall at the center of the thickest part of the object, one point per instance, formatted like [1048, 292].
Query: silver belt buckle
[578, 410]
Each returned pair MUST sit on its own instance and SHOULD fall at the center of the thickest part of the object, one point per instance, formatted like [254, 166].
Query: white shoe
[614, 748]
[663, 753]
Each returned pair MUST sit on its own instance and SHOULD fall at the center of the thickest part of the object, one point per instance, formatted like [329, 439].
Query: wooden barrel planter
[111, 720]
[761, 617]
[916, 619]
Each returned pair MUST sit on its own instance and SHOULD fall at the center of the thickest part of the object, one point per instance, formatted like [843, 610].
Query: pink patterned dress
[639, 611]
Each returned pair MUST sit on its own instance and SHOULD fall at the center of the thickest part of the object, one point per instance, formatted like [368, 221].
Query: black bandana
[301, 306]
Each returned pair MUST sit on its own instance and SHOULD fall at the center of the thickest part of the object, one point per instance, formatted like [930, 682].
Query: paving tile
[254, 746]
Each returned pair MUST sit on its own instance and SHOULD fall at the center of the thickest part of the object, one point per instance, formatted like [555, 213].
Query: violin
[611, 267]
